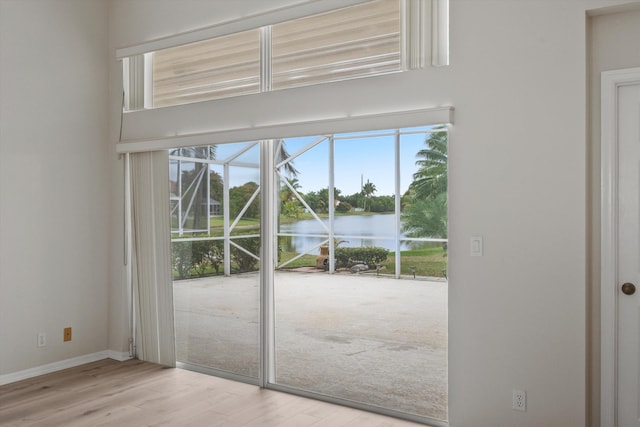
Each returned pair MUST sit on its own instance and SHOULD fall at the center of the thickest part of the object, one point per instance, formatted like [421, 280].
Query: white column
[226, 218]
[331, 206]
[268, 255]
[398, 204]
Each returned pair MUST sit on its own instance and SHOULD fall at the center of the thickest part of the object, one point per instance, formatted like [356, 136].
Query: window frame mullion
[265, 59]
[416, 34]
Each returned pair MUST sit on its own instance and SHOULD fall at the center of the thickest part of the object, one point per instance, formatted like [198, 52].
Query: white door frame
[611, 81]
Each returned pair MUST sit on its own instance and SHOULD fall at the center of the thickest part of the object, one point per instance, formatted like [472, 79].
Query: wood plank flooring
[135, 393]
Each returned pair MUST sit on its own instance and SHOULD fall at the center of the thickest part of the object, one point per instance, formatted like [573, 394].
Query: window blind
[350, 42]
[210, 69]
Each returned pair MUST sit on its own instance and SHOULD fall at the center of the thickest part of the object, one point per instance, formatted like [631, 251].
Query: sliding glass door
[352, 306]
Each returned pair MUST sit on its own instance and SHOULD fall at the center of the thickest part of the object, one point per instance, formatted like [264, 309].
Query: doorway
[620, 302]
[343, 295]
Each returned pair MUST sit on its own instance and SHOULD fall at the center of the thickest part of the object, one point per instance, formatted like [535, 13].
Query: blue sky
[369, 158]
[357, 159]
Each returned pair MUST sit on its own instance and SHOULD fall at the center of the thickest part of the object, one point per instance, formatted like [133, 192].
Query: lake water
[353, 226]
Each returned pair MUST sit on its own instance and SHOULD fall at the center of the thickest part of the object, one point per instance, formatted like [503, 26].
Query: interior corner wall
[612, 44]
[54, 181]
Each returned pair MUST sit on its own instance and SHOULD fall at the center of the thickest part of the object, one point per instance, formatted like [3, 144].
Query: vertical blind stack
[151, 257]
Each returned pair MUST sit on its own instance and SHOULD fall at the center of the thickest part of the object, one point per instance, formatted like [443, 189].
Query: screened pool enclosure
[317, 265]
[328, 196]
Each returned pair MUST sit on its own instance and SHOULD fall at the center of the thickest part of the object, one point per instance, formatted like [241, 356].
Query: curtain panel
[151, 257]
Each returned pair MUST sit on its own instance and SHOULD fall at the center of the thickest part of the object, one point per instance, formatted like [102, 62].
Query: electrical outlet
[42, 339]
[519, 400]
[67, 334]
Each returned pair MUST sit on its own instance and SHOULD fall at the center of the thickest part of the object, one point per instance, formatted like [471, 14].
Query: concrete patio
[361, 337]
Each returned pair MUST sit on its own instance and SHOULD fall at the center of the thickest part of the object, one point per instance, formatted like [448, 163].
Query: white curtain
[151, 257]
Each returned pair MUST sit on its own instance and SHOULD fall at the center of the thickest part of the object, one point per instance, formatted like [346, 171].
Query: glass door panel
[216, 280]
[358, 334]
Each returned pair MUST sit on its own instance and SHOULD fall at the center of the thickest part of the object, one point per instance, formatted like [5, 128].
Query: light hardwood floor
[135, 393]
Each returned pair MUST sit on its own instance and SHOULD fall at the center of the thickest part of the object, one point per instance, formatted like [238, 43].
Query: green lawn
[304, 261]
[246, 223]
[428, 262]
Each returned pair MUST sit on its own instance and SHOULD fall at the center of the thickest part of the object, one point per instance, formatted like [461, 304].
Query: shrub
[343, 206]
[369, 255]
[206, 253]
[182, 259]
[215, 254]
[244, 261]
[195, 257]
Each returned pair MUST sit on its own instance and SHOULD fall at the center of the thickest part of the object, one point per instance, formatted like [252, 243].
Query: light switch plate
[477, 246]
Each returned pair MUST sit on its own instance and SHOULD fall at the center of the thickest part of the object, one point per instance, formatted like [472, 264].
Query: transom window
[372, 38]
[356, 41]
[210, 69]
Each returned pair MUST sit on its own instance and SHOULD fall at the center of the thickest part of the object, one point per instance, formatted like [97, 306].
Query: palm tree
[431, 179]
[367, 191]
[286, 194]
[283, 155]
[426, 217]
[425, 214]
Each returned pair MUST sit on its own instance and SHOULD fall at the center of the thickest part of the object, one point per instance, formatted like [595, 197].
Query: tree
[343, 206]
[352, 199]
[238, 198]
[323, 199]
[431, 178]
[426, 217]
[312, 199]
[292, 209]
[282, 155]
[424, 211]
[216, 186]
[367, 191]
[286, 194]
[382, 204]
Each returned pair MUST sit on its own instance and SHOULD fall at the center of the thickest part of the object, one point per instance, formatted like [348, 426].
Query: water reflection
[381, 226]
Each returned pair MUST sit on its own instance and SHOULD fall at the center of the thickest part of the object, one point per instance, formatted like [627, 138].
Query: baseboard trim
[120, 356]
[63, 364]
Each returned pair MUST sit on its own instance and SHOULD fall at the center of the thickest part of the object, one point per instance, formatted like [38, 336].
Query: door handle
[628, 289]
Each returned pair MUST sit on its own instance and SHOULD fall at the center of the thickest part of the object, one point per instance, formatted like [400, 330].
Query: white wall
[518, 167]
[518, 170]
[609, 49]
[54, 180]
[518, 178]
